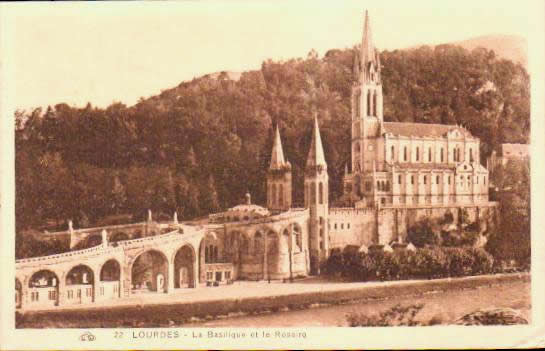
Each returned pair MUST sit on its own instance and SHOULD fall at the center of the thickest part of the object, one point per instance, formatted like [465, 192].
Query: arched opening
[80, 282]
[368, 103]
[93, 240]
[258, 243]
[44, 288]
[18, 294]
[110, 280]
[118, 237]
[375, 104]
[184, 262]
[281, 195]
[272, 253]
[149, 272]
[321, 193]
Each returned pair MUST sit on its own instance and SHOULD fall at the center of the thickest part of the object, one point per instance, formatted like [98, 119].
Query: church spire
[316, 154]
[277, 156]
[368, 53]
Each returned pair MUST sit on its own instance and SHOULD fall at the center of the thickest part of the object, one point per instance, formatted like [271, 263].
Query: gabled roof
[422, 129]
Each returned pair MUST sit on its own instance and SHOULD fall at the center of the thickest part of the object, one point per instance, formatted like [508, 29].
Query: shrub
[396, 316]
[425, 263]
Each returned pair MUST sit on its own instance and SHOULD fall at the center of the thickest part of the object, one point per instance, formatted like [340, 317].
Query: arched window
[375, 104]
[358, 103]
[399, 179]
[368, 103]
[437, 179]
[441, 154]
[412, 180]
[280, 194]
[357, 148]
[273, 195]
[425, 179]
[470, 155]
[387, 185]
[393, 154]
[417, 153]
[321, 193]
[206, 255]
[429, 154]
[378, 185]
[312, 192]
[405, 153]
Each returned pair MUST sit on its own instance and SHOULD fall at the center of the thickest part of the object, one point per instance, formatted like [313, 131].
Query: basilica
[400, 173]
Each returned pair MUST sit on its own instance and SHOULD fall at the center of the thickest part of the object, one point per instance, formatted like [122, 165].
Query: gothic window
[441, 154]
[425, 179]
[375, 104]
[378, 185]
[321, 193]
[405, 153]
[412, 180]
[399, 179]
[417, 153]
[206, 258]
[429, 154]
[437, 179]
[393, 154]
[368, 103]
[312, 192]
[358, 103]
[281, 194]
[273, 197]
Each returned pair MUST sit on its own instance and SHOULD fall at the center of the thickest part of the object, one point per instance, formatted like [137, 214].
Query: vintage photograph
[205, 164]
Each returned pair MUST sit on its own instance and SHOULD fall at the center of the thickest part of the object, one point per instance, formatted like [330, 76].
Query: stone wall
[351, 226]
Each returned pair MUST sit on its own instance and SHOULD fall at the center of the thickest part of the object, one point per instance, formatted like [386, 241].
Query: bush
[395, 316]
[424, 263]
[422, 233]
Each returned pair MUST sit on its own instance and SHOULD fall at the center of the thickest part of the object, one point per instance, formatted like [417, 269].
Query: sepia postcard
[272, 175]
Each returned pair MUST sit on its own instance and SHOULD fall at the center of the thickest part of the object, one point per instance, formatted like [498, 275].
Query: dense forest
[198, 147]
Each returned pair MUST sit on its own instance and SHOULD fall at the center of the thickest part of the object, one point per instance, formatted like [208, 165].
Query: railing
[120, 245]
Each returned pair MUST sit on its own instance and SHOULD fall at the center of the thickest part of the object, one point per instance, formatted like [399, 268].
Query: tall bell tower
[367, 114]
[317, 200]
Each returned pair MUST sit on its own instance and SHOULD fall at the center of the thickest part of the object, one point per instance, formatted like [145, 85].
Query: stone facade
[410, 164]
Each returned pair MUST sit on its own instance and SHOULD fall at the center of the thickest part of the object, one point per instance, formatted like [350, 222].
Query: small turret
[278, 177]
[316, 199]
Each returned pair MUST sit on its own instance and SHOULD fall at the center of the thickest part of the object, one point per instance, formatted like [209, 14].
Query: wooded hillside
[200, 146]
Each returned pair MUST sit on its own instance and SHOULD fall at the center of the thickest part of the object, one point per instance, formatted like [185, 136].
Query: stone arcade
[399, 173]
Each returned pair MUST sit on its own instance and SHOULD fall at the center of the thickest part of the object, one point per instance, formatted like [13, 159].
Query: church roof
[422, 129]
[277, 156]
[316, 154]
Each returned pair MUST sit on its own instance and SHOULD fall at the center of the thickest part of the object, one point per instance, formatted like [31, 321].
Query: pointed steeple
[316, 154]
[367, 47]
[277, 155]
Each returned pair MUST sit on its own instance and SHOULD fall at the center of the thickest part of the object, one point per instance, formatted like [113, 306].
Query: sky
[120, 51]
